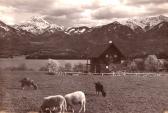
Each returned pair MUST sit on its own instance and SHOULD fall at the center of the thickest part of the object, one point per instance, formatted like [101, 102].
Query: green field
[129, 94]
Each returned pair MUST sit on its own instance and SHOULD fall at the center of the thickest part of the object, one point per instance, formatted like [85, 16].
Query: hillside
[39, 37]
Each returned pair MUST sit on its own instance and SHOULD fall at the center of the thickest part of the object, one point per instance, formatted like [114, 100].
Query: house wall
[101, 63]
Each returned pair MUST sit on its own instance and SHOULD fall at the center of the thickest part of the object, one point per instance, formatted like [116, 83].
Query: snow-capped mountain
[3, 26]
[77, 30]
[146, 23]
[6, 31]
[38, 25]
[160, 30]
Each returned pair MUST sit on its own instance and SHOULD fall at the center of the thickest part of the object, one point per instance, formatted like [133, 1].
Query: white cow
[76, 98]
[53, 103]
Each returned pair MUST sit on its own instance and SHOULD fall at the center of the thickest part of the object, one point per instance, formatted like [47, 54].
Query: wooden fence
[118, 74]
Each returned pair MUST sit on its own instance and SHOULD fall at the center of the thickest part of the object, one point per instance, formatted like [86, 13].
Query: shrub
[151, 63]
[22, 67]
[78, 67]
[132, 66]
[163, 64]
[52, 67]
[68, 67]
[44, 68]
[140, 63]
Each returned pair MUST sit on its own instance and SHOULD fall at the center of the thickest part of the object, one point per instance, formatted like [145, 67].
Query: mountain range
[135, 36]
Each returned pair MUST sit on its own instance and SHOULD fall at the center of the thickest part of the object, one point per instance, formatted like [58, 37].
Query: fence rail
[117, 74]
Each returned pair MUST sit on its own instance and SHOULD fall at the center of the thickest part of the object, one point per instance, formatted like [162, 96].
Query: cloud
[118, 12]
[143, 2]
[6, 14]
[27, 5]
[61, 12]
[79, 12]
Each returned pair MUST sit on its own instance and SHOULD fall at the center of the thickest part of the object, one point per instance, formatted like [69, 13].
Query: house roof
[95, 51]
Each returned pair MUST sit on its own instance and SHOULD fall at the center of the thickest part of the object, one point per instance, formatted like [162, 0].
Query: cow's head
[46, 110]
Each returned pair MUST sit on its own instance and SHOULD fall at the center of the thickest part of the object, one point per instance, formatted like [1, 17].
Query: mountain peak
[38, 25]
[116, 22]
[146, 23]
[4, 26]
[38, 19]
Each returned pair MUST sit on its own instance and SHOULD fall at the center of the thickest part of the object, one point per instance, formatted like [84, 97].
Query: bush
[151, 63]
[79, 67]
[132, 66]
[140, 63]
[68, 67]
[22, 67]
[44, 68]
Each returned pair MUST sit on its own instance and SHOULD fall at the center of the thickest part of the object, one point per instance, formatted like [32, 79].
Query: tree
[151, 63]
[133, 66]
[68, 67]
[78, 67]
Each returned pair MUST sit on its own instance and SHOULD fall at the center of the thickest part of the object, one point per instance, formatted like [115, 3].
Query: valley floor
[128, 94]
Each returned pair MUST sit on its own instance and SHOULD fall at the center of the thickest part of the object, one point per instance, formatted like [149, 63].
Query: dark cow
[28, 82]
[99, 88]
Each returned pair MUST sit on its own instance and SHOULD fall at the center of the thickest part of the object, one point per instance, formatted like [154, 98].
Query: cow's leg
[72, 108]
[81, 107]
[84, 106]
[22, 85]
[53, 110]
[60, 107]
[63, 108]
[96, 92]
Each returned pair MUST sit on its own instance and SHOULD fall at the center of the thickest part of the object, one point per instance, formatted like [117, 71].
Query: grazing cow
[76, 98]
[28, 82]
[99, 88]
[52, 104]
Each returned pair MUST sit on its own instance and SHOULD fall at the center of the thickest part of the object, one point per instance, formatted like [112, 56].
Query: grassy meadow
[125, 94]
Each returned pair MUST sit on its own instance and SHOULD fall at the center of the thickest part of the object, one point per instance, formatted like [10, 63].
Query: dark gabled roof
[95, 51]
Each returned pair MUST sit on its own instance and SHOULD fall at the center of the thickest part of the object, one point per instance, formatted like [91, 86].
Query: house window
[107, 67]
[115, 56]
[107, 56]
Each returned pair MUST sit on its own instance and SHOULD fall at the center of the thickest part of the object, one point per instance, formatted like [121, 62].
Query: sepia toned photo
[83, 56]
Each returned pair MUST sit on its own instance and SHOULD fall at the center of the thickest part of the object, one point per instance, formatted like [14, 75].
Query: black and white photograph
[83, 56]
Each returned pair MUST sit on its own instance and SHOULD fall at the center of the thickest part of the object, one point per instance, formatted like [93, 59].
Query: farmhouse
[101, 56]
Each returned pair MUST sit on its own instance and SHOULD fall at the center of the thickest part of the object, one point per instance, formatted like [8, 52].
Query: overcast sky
[79, 12]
